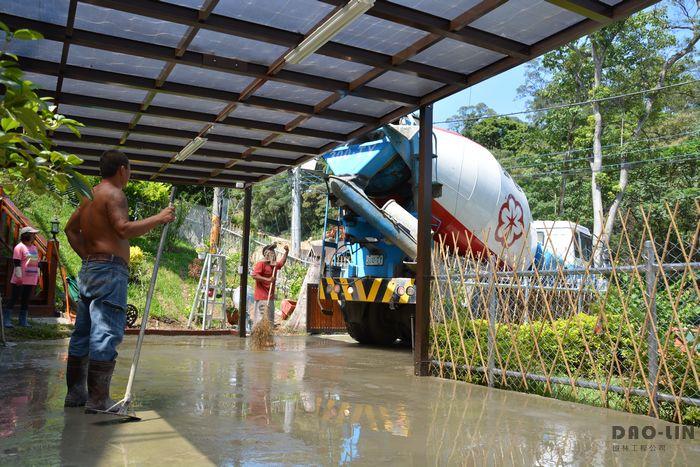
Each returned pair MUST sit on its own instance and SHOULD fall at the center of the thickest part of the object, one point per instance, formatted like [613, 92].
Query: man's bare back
[97, 222]
[102, 226]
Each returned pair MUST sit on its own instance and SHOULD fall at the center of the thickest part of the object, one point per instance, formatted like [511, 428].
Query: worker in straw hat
[264, 274]
[25, 276]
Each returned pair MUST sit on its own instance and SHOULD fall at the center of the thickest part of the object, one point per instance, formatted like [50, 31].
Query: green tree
[27, 158]
[652, 47]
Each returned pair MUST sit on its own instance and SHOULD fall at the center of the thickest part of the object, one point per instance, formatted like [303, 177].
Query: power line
[587, 158]
[604, 168]
[645, 140]
[571, 104]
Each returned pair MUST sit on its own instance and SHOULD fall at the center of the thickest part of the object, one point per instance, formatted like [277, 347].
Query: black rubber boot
[76, 380]
[7, 318]
[23, 322]
[98, 380]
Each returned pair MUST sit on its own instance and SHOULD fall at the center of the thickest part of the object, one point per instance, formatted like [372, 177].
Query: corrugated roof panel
[42, 49]
[458, 56]
[188, 103]
[293, 15]
[92, 131]
[42, 81]
[330, 67]
[114, 61]
[330, 125]
[196, 4]
[94, 112]
[376, 34]
[81, 144]
[448, 9]
[201, 77]
[127, 25]
[527, 21]
[276, 153]
[292, 93]
[49, 11]
[364, 106]
[223, 147]
[228, 130]
[240, 48]
[261, 165]
[302, 140]
[406, 84]
[263, 115]
[158, 139]
[152, 152]
[175, 124]
[105, 91]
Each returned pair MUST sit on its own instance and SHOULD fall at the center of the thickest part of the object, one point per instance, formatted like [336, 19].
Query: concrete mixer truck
[367, 265]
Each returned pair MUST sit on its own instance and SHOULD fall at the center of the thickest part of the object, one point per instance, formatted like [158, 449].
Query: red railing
[11, 221]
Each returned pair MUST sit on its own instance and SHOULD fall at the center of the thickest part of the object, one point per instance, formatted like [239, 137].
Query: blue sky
[498, 92]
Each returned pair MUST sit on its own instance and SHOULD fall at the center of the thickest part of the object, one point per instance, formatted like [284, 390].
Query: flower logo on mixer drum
[510, 222]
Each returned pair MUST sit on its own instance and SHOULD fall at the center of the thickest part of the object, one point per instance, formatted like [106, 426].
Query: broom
[263, 333]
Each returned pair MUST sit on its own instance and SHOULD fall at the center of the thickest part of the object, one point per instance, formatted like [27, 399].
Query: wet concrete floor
[313, 401]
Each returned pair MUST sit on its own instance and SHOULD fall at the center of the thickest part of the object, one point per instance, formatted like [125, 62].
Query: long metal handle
[147, 309]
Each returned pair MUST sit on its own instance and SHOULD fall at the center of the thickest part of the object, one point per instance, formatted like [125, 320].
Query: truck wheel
[382, 329]
[355, 321]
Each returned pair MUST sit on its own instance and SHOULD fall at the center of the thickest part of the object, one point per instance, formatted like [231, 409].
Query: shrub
[295, 274]
[611, 342]
[138, 267]
[194, 270]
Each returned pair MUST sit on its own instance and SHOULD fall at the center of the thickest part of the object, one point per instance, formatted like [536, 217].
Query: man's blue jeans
[101, 316]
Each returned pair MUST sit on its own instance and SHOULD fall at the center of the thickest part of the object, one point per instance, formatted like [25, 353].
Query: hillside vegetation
[174, 288]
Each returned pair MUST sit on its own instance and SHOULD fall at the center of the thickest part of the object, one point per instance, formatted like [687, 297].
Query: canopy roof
[149, 76]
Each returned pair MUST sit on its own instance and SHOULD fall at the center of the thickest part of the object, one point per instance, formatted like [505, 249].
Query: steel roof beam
[593, 9]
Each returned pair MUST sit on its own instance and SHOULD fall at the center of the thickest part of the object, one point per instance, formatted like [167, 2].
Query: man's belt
[105, 258]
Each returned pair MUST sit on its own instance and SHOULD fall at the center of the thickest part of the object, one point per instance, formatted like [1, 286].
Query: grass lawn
[174, 288]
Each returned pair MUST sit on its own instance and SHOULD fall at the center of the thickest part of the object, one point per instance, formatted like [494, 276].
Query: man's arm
[281, 262]
[73, 232]
[118, 214]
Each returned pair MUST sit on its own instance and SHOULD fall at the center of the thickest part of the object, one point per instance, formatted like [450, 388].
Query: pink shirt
[28, 257]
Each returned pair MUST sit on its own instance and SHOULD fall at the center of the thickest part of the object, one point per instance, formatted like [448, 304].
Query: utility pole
[296, 212]
[216, 206]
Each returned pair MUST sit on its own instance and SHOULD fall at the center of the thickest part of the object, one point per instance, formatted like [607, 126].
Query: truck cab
[569, 242]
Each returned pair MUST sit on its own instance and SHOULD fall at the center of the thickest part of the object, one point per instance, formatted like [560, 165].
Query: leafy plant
[27, 157]
[138, 269]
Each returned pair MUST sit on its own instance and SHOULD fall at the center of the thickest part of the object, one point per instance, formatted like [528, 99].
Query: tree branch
[650, 98]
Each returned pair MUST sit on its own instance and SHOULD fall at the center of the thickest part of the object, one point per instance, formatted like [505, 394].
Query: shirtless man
[99, 232]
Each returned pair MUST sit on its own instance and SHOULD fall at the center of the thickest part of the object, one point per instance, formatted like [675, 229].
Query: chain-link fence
[624, 335]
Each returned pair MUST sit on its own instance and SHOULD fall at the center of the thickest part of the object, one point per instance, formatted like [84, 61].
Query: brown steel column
[425, 199]
[245, 250]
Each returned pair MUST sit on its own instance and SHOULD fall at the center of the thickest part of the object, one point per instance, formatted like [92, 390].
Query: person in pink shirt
[25, 276]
